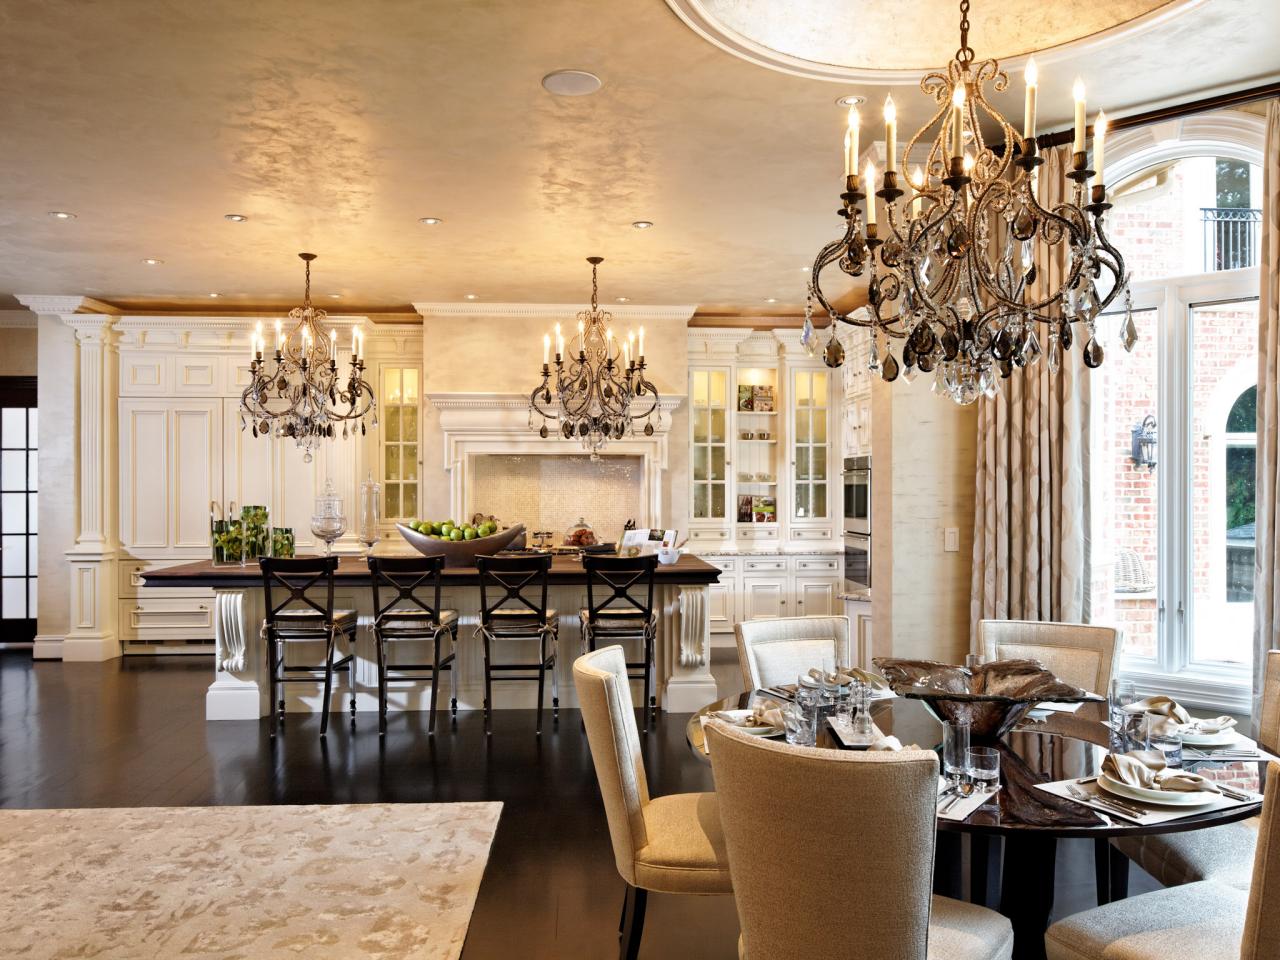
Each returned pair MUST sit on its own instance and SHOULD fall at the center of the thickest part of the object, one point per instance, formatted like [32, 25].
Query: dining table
[1019, 826]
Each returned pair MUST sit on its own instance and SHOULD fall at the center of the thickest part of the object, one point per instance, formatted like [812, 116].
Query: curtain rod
[1218, 102]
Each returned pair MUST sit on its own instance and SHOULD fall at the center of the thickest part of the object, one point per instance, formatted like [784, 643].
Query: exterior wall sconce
[1143, 451]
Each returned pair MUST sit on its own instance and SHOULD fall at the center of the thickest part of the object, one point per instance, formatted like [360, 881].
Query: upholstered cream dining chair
[1080, 654]
[1196, 921]
[1224, 853]
[816, 837]
[671, 844]
[776, 650]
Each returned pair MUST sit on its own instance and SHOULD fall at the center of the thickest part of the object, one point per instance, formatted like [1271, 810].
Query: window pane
[13, 427]
[409, 460]
[31, 596]
[409, 500]
[391, 425]
[13, 598]
[391, 460]
[1224, 397]
[411, 386]
[409, 423]
[33, 555]
[1132, 393]
[391, 494]
[13, 513]
[391, 385]
[701, 501]
[13, 556]
[33, 475]
[33, 433]
[13, 470]
[32, 513]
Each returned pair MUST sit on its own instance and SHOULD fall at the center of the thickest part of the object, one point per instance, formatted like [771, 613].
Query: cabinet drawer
[758, 533]
[724, 566]
[757, 566]
[166, 618]
[811, 534]
[709, 536]
[822, 564]
[131, 581]
[144, 374]
[197, 376]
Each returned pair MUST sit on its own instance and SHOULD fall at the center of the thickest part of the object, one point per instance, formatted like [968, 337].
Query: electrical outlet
[951, 539]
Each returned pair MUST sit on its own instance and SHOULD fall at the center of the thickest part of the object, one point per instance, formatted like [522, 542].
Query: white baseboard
[47, 647]
[93, 649]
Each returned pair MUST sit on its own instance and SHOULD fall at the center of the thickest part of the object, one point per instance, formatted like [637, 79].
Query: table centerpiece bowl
[463, 553]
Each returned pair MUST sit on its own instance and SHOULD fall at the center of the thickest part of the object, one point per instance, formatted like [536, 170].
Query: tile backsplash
[552, 492]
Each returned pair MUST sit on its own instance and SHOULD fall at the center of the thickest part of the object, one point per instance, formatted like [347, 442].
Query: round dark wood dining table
[1022, 820]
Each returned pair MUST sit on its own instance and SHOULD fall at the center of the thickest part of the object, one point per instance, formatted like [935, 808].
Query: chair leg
[542, 681]
[555, 689]
[351, 674]
[453, 675]
[488, 688]
[644, 706]
[1119, 874]
[1102, 869]
[328, 687]
[435, 685]
[382, 685]
[272, 685]
[652, 696]
[633, 925]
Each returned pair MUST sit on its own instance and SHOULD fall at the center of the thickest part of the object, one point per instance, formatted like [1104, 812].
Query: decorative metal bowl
[463, 553]
[992, 697]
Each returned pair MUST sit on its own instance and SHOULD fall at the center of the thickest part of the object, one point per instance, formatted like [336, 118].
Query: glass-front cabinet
[809, 429]
[709, 415]
[398, 437]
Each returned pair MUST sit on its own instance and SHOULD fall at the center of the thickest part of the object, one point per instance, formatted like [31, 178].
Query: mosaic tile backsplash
[552, 492]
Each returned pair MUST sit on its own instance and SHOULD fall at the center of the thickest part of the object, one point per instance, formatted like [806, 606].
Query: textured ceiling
[335, 125]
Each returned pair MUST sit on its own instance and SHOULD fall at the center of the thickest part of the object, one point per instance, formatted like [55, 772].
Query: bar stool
[404, 616]
[503, 581]
[619, 616]
[307, 622]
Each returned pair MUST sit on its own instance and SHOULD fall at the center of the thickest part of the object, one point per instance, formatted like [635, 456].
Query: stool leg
[644, 652]
[453, 674]
[555, 688]
[328, 687]
[382, 684]
[542, 677]
[488, 687]
[351, 674]
[435, 683]
[273, 683]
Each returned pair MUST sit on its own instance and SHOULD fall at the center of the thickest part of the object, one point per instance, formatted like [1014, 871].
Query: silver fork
[1118, 806]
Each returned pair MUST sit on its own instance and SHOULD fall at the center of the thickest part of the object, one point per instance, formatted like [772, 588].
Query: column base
[47, 648]
[90, 649]
[230, 699]
[689, 695]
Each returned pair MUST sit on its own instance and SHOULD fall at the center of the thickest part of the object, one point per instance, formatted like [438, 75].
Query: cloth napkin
[844, 676]
[1169, 718]
[766, 713]
[886, 742]
[1147, 768]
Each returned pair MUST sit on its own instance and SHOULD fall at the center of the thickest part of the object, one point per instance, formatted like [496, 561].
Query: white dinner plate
[1226, 738]
[736, 717]
[1169, 798]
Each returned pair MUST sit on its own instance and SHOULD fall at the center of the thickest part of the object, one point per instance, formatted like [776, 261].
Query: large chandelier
[597, 390]
[952, 268]
[297, 391]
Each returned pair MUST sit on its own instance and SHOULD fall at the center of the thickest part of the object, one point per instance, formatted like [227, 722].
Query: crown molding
[62, 306]
[513, 401]
[18, 320]
[553, 311]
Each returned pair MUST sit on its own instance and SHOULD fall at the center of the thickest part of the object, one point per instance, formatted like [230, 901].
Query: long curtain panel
[1031, 520]
[1266, 589]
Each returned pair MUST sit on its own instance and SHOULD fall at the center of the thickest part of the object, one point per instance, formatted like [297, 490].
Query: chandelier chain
[965, 54]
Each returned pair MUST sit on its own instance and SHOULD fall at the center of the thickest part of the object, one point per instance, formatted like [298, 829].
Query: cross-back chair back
[399, 584]
[514, 587]
[613, 584]
[292, 578]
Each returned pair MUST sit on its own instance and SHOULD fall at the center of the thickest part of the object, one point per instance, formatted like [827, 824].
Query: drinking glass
[955, 749]
[862, 725]
[799, 724]
[1123, 693]
[984, 768]
[1169, 744]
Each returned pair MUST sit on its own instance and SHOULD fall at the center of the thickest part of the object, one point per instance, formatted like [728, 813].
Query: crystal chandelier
[297, 393]
[952, 268]
[598, 390]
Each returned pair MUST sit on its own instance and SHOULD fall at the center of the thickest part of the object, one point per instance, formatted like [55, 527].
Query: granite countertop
[858, 596]
[826, 550]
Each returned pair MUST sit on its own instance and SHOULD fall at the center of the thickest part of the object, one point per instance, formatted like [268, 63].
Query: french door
[19, 439]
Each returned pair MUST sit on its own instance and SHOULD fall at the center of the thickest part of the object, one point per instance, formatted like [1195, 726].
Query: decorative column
[92, 633]
[684, 650]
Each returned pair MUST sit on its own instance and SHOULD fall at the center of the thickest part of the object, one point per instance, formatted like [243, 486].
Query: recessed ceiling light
[850, 100]
[215, 295]
[430, 221]
[770, 299]
[61, 215]
[571, 83]
[624, 299]
[471, 296]
[642, 224]
[152, 262]
[235, 217]
[335, 296]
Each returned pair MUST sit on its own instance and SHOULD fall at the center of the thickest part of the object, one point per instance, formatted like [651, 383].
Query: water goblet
[955, 749]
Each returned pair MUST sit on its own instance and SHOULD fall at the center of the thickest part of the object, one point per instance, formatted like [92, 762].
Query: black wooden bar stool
[299, 619]
[400, 614]
[615, 614]
[507, 612]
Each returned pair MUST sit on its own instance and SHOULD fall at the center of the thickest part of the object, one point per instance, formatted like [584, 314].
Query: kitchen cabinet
[754, 585]
[764, 596]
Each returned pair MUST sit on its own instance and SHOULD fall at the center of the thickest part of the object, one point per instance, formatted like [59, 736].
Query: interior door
[19, 437]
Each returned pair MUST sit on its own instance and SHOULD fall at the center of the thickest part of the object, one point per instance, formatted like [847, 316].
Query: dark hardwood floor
[132, 733]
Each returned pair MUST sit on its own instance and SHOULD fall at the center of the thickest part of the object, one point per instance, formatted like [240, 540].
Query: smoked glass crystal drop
[890, 369]
[1093, 353]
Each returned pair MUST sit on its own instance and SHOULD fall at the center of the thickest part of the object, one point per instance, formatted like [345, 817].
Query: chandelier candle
[1099, 147]
[851, 143]
[954, 272]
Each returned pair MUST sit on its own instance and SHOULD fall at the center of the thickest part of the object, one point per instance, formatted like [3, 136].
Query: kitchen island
[682, 670]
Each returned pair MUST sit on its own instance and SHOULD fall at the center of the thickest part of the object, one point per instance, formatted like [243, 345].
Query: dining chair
[1205, 920]
[620, 610]
[1080, 654]
[407, 610]
[775, 650]
[818, 836]
[296, 617]
[669, 844]
[513, 607]
[1225, 853]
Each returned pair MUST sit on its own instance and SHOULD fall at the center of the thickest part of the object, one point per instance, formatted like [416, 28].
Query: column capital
[64, 306]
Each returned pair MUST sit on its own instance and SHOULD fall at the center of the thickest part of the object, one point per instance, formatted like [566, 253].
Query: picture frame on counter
[645, 541]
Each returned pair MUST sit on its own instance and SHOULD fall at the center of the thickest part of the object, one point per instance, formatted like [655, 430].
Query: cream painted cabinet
[764, 596]
[755, 585]
[246, 461]
[816, 597]
[171, 472]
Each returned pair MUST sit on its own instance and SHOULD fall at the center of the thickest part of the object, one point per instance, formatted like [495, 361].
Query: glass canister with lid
[580, 534]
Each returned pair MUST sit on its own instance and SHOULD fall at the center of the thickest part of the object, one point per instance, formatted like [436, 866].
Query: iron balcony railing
[1231, 237]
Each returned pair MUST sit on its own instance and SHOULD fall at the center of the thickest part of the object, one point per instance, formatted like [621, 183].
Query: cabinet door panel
[816, 597]
[196, 470]
[764, 597]
[246, 462]
[720, 597]
[295, 487]
[144, 474]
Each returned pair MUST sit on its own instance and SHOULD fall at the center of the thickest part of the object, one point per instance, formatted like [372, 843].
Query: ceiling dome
[887, 40]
